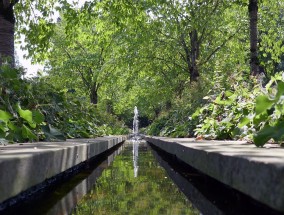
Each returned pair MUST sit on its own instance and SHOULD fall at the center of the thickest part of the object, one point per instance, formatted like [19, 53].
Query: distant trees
[127, 52]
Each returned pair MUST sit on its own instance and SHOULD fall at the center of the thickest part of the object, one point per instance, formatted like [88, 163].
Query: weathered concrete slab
[257, 172]
[23, 166]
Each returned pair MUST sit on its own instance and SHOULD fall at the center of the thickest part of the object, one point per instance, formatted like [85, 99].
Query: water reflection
[135, 156]
[119, 191]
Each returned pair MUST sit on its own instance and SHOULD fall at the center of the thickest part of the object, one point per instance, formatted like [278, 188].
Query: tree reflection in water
[119, 191]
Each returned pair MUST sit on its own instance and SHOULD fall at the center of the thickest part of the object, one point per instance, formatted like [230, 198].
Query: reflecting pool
[134, 184]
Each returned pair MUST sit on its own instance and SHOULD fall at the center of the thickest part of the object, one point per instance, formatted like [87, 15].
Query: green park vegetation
[211, 69]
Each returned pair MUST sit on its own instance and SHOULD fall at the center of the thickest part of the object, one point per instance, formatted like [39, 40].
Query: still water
[134, 184]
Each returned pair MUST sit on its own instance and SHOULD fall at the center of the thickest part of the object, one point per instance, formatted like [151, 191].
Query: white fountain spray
[135, 122]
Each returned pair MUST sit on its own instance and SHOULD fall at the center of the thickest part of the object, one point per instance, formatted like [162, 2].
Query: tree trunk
[94, 94]
[7, 23]
[254, 63]
[194, 55]
[191, 54]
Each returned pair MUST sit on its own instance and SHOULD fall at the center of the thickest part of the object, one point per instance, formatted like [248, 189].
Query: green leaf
[27, 133]
[268, 132]
[11, 126]
[228, 93]
[5, 116]
[3, 126]
[52, 133]
[9, 73]
[244, 121]
[280, 89]
[263, 103]
[27, 115]
[196, 113]
[38, 117]
[260, 119]
[263, 135]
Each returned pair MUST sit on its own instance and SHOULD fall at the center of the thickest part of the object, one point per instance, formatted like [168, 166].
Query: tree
[82, 54]
[7, 26]
[190, 31]
[33, 19]
[253, 12]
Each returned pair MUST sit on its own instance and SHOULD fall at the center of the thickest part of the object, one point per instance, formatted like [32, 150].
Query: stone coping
[257, 172]
[23, 166]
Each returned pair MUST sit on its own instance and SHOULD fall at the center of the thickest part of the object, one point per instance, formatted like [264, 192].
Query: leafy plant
[223, 116]
[254, 113]
[16, 123]
[269, 112]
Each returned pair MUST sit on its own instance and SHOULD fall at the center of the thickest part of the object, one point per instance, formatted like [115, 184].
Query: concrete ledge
[23, 166]
[257, 172]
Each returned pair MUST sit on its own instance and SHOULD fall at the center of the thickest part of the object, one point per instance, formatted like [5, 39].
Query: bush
[32, 110]
[246, 111]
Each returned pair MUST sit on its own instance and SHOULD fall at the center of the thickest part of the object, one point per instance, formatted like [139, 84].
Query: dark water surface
[135, 184]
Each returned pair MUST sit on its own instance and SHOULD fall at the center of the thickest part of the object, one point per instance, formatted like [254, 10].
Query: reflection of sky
[32, 69]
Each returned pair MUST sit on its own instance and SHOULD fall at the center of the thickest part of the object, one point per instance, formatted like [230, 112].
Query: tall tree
[33, 19]
[253, 14]
[81, 56]
[7, 29]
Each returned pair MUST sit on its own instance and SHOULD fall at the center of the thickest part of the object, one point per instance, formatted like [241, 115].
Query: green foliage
[246, 112]
[32, 110]
[17, 123]
[120, 55]
[269, 112]
[226, 115]
[175, 122]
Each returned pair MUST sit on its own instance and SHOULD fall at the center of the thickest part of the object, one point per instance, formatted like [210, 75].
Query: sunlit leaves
[5, 116]
[27, 115]
[263, 103]
[268, 132]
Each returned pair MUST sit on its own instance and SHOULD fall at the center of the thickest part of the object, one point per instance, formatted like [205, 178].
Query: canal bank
[26, 168]
[256, 172]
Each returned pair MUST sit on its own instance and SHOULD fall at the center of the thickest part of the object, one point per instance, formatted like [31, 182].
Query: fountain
[135, 122]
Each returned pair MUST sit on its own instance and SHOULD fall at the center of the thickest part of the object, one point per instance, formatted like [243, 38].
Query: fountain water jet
[135, 122]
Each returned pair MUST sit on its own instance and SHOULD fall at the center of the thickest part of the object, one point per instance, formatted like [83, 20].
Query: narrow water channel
[128, 180]
[137, 178]
[135, 184]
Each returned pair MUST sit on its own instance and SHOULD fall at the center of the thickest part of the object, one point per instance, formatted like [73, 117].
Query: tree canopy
[172, 59]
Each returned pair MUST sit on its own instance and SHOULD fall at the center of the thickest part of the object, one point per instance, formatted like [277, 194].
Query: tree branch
[219, 47]
[87, 83]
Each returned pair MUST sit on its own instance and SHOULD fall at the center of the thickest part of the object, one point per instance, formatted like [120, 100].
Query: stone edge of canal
[202, 155]
[30, 168]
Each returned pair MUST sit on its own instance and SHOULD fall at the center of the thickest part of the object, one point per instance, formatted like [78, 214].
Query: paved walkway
[257, 172]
